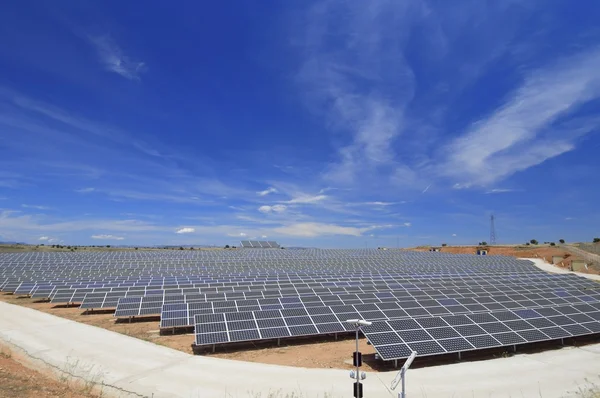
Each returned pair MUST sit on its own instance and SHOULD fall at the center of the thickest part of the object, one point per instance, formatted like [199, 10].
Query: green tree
[596, 240]
[444, 244]
[484, 243]
[108, 246]
[533, 242]
[226, 246]
[552, 244]
[562, 241]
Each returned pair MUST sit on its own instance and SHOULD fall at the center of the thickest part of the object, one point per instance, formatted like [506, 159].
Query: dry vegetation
[17, 380]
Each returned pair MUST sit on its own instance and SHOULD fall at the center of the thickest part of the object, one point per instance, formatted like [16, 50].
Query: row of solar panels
[260, 244]
[397, 280]
[216, 275]
[441, 335]
[421, 292]
[394, 339]
[11, 282]
[369, 308]
[20, 287]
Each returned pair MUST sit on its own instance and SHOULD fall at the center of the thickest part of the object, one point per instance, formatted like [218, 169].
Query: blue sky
[327, 123]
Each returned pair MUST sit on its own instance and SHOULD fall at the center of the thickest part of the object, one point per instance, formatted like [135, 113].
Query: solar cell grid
[438, 282]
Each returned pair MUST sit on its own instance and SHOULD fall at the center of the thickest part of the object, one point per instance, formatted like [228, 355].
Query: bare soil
[20, 381]
[542, 251]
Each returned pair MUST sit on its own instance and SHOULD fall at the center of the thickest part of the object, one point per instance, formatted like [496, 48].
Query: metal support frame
[401, 376]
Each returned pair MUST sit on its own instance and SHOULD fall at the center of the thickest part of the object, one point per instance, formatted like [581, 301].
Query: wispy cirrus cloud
[115, 60]
[36, 207]
[360, 77]
[306, 199]
[499, 190]
[267, 191]
[379, 203]
[523, 132]
[313, 229]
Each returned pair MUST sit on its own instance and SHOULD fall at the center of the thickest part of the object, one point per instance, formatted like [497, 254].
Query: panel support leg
[459, 356]
[278, 342]
[395, 363]
[214, 348]
[514, 348]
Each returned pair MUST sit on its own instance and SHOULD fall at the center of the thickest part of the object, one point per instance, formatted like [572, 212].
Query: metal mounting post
[401, 376]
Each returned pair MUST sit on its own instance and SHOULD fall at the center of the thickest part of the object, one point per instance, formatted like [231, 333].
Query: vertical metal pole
[357, 372]
[403, 384]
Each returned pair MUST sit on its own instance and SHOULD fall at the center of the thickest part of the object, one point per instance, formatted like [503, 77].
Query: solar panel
[440, 303]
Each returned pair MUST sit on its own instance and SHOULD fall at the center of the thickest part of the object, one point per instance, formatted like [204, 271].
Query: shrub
[552, 244]
[562, 241]
[596, 240]
[533, 242]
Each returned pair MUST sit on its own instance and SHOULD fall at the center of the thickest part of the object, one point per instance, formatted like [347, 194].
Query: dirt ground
[19, 381]
[541, 251]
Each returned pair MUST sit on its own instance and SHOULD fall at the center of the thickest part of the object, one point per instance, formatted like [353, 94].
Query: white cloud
[185, 230]
[314, 229]
[264, 236]
[267, 191]
[568, 218]
[115, 60]
[381, 203]
[272, 209]
[407, 224]
[37, 207]
[522, 133]
[307, 199]
[453, 234]
[426, 189]
[44, 238]
[238, 235]
[362, 83]
[85, 190]
[107, 237]
[499, 190]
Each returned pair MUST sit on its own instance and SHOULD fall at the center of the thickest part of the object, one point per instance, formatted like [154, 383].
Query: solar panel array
[434, 303]
[261, 244]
